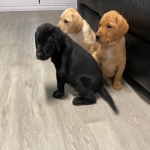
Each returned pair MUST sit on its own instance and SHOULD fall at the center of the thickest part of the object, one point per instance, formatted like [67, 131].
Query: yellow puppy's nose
[98, 36]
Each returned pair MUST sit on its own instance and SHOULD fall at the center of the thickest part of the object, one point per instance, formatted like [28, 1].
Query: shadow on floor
[144, 94]
[68, 90]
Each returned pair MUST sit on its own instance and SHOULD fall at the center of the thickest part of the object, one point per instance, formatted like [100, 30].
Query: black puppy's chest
[70, 76]
[56, 59]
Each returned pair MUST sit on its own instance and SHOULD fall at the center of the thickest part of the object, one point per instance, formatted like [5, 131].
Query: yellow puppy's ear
[77, 23]
[122, 27]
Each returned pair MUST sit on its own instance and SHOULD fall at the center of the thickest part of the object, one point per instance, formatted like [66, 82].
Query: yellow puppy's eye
[65, 21]
[109, 26]
[99, 25]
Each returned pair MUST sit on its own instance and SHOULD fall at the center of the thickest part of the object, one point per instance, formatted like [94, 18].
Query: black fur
[73, 65]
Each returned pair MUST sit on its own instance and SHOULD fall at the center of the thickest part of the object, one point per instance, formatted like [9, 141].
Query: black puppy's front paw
[58, 94]
[61, 72]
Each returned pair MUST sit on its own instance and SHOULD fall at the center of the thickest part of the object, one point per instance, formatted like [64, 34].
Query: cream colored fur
[78, 29]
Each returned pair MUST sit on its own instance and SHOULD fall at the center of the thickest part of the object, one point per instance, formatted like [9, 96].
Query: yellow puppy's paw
[107, 81]
[117, 86]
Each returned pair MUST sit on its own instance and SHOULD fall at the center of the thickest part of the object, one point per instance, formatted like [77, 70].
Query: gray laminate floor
[30, 119]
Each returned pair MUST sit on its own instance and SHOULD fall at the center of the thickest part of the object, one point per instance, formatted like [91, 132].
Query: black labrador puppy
[73, 64]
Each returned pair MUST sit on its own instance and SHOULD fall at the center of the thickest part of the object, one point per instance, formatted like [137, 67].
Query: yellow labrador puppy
[78, 29]
[111, 56]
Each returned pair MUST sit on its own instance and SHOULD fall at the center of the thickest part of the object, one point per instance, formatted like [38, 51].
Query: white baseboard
[36, 7]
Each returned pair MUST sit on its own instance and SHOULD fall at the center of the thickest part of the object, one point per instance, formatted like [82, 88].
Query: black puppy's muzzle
[39, 55]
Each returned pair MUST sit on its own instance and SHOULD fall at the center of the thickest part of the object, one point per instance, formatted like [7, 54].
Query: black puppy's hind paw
[82, 101]
[58, 94]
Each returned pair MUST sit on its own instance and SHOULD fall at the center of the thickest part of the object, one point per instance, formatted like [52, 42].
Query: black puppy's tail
[108, 98]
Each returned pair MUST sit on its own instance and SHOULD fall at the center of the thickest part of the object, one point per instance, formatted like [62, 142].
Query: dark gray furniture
[137, 14]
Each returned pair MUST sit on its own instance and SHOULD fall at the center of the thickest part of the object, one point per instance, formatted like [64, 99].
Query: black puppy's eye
[66, 21]
[109, 26]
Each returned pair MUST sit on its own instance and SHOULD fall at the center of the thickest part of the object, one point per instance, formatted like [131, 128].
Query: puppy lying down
[73, 65]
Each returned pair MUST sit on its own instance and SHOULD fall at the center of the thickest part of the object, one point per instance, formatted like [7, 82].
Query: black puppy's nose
[98, 36]
[39, 55]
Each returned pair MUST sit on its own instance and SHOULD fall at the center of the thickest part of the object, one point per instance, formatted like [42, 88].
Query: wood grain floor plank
[31, 119]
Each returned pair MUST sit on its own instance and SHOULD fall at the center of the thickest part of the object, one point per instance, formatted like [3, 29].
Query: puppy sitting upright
[78, 29]
[69, 59]
[111, 56]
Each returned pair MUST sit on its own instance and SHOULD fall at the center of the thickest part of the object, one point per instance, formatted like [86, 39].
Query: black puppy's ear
[35, 37]
[59, 38]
